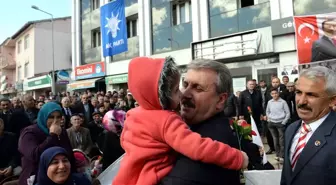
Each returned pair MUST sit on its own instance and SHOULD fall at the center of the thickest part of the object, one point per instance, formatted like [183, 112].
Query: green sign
[39, 82]
[117, 79]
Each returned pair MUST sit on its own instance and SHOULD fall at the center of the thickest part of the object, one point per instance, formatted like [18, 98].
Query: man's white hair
[65, 98]
[321, 72]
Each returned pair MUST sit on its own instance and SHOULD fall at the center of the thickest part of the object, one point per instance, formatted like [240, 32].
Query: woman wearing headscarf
[113, 123]
[37, 138]
[55, 169]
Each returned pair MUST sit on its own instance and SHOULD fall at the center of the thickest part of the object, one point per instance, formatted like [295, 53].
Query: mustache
[304, 107]
[188, 103]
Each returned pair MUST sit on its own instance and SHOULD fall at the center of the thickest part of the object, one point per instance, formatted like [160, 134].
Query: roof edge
[26, 26]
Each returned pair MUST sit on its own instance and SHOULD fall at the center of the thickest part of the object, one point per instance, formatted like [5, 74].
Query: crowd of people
[74, 123]
[273, 108]
[172, 135]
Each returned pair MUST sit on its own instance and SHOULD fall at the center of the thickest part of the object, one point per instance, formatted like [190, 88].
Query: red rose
[244, 124]
[231, 122]
[253, 133]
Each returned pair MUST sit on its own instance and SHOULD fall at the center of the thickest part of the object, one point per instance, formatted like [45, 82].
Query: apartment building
[254, 38]
[33, 54]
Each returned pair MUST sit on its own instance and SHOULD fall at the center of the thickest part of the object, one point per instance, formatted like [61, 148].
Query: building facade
[254, 38]
[33, 54]
[8, 85]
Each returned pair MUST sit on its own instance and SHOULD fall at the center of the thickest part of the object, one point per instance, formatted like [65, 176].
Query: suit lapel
[288, 144]
[315, 143]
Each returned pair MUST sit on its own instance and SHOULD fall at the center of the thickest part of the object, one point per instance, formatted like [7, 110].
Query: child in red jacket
[153, 132]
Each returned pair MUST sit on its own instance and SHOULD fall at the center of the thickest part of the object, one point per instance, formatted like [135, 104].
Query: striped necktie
[305, 129]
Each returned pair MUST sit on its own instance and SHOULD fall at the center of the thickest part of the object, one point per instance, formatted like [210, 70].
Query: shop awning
[83, 84]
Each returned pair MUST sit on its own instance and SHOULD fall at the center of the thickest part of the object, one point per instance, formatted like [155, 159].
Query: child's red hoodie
[151, 134]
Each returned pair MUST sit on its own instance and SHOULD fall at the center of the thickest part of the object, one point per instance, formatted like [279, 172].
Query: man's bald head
[28, 101]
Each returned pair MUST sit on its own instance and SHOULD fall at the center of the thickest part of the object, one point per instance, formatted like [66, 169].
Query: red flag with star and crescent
[306, 32]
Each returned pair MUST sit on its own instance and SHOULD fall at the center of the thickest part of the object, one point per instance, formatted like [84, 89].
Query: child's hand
[246, 160]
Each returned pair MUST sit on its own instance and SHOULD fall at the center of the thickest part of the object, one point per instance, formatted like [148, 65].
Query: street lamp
[53, 90]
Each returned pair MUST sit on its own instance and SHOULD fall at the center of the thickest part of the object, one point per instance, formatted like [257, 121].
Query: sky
[15, 13]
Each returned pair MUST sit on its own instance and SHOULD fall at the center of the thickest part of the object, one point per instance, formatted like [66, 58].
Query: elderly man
[310, 142]
[67, 112]
[206, 87]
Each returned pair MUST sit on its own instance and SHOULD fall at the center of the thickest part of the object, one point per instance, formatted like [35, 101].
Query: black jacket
[284, 94]
[254, 101]
[189, 172]
[9, 153]
[231, 106]
[67, 123]
[112, 149]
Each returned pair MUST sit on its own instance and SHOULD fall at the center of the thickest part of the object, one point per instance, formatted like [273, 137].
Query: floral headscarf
[114, 120]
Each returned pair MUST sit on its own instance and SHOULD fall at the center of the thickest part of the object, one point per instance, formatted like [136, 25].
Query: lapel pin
[317, 143]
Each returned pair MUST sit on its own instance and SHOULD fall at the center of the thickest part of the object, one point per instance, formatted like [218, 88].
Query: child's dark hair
[168, 77]
[274, 89]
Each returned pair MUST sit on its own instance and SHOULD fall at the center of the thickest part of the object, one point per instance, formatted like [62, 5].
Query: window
[226, 17]
[26, 42]
[26, 70]
[95, 4]
[96, 38]
[246, 3]
[132, 26]
[181, 13]
[19, 73]
[19, 46]
[309, 7]
[171, 25]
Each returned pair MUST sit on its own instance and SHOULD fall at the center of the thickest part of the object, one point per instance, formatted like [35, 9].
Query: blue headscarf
[45, 160]
[44, 113]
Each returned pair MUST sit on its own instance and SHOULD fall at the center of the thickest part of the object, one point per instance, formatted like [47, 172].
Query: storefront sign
[82, 84]
[282, 26]
[117, 79]
[38, 82]
[63, 77]
[90, 70]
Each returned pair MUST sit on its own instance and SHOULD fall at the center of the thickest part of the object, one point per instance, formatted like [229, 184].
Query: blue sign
[63, 77]
[113, 28]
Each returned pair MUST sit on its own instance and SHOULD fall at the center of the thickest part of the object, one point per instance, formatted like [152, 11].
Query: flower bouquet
[243, 130]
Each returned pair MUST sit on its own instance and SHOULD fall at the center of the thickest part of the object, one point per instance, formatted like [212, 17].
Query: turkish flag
[306, 32]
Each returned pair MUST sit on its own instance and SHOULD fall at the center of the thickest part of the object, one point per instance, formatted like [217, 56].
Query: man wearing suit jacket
[84, 107]
[251, 97]
[79, 136]
[310, 142]
[325, 47]
[67, 112]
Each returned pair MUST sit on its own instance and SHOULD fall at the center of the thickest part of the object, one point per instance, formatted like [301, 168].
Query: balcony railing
[6, 62]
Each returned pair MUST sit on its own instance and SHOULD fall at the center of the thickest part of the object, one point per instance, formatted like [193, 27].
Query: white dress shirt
[314, 125]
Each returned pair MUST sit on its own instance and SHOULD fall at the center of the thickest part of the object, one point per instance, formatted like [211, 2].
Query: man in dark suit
[84, 107]
[67, 112]
[310, 142]
[283, 92]
[203, 109]
[325, 47]
[251, 98]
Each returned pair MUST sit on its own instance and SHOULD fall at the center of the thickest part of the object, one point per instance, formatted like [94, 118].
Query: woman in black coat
[113, 122]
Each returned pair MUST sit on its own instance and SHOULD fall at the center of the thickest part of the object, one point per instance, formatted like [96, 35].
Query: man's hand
[265, 118]
[246, 160]
[241, 117]
[8, 171]
[55, 128]
[261, 117]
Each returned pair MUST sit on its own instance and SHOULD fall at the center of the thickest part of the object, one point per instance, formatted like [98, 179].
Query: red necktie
[305, 129]
[334, 41]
